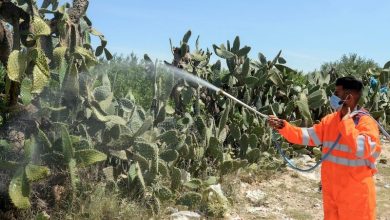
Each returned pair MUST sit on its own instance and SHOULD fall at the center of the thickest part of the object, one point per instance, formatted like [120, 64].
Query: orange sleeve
[363, 139]
[303, 136]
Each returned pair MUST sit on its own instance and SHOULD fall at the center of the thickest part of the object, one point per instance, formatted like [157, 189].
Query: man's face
[339, 92]
[344, 95]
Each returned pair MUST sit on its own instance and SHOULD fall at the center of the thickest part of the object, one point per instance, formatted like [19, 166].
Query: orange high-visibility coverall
[347, 174]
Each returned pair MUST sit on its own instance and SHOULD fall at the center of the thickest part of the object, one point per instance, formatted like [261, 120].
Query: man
[347, 173]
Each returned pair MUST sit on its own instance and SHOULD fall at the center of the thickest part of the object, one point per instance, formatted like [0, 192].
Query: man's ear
[349, 96]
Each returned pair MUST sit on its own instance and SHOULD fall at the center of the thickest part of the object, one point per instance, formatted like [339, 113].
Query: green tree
[129, 74]
[350, 64]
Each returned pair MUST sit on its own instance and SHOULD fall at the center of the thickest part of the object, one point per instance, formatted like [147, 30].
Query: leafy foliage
[154, 135]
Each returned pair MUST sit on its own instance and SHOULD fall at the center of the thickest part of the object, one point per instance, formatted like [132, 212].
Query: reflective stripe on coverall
[347, 174]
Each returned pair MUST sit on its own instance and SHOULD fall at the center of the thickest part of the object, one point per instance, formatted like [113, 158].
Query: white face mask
[336, 103]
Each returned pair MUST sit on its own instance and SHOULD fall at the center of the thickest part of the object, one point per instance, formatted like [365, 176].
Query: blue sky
[308, 32]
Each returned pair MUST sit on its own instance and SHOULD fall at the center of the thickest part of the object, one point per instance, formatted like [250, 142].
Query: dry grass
[104, 205]
[298, 214]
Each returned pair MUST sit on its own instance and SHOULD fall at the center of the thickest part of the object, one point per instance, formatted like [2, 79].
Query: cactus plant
[136, 180]
[24, 174]
[190, 199]
[175, 178]
[169, 155]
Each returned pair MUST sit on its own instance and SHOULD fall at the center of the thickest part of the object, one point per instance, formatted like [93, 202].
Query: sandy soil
[294, 195]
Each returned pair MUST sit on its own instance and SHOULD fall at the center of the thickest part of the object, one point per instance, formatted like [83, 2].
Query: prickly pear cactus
[175, 178]
[163, 168]
[253, 155]
[163, 193]
[147, 150]
[190, 199]
[169, 155]
[214, 149]
[136, 180]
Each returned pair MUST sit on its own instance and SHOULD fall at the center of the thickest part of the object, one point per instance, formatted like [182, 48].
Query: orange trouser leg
[330, 207]
[357, 200]
[328, 196]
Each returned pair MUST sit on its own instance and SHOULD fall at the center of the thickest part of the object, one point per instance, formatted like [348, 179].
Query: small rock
[317, 205]
[306, 157]
[387, 186]
[255, 196]
[185, 176]
[260, 211]
[313, 175]
[232, 216]
[185, 215]
[171, 210]
[243, 186]
[215, 193]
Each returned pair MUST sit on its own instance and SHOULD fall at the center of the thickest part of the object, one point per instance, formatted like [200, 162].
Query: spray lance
[221, 92]
[278, 145]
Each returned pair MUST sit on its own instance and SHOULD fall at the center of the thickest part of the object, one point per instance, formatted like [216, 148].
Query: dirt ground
[295, 195]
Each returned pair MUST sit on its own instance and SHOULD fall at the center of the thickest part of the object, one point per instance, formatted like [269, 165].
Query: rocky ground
[295, 195]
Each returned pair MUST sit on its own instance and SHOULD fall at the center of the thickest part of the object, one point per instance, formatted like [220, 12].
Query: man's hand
[349, 114]
[275, 122]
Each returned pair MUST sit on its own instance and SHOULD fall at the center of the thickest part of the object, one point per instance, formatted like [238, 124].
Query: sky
[308, 32]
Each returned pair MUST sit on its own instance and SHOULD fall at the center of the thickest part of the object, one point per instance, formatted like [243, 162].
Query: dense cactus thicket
[134, 126]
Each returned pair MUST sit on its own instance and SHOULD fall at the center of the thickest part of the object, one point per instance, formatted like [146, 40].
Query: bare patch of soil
[291, 195]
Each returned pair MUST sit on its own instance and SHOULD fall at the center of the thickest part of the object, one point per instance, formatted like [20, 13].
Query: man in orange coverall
[347, 173]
